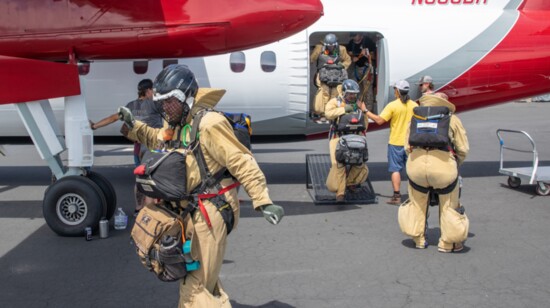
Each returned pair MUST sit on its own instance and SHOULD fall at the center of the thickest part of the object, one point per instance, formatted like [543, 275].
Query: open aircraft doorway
[368, 66]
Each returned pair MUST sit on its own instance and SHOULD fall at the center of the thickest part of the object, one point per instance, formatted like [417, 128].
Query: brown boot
[456, 248]
[340, 198]
[395, 199]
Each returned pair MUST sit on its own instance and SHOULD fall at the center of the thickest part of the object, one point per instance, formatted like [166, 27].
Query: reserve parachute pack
[162, 175]
[430, 127]
[351, 123]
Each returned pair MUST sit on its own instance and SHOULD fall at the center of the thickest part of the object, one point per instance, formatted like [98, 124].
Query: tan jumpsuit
[337, 179]
[438, 169]
[202, 288]
[325, 93]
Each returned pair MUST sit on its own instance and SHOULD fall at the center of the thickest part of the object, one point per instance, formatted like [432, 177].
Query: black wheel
[72, 204]
[542, 189]
[107, 189]
[514, 182]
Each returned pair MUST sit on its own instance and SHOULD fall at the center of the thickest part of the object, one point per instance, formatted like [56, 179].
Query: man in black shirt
[143, 109]
[361, 48]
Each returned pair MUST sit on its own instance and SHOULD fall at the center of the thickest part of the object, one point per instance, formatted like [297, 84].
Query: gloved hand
[273, 213]
[124, 114]
[349, 108]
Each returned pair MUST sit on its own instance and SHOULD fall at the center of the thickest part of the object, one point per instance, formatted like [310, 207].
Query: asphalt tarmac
[318, 256]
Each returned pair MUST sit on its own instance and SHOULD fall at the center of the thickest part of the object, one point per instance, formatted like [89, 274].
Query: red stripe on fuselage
[518, 67]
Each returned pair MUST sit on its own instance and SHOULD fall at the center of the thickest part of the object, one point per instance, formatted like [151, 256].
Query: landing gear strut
[79, 198]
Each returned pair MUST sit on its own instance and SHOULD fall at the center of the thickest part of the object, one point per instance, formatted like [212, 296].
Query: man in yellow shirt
[399, 113]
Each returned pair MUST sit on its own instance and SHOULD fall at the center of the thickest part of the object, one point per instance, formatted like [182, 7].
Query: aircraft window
[165, 63]
[237, 61]
[140, 67]
[268, 61]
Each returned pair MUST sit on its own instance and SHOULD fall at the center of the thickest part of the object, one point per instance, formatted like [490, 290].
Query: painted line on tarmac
[18, 229]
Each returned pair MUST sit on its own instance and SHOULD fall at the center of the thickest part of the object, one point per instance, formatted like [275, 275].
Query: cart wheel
[514, 182]
[542, 189]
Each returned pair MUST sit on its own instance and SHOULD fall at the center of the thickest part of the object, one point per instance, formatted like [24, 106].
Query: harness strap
[208, 179]
[212, 195]
[205, 214]
[439, 191]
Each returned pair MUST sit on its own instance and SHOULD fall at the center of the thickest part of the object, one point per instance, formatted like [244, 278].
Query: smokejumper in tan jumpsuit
[325, 93]
[337, 180]
[438, 169]
[202, 288]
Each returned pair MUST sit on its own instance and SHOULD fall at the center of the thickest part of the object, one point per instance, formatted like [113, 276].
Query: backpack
[430, 127]
[332, 74]
[153, 224]
[242, 127]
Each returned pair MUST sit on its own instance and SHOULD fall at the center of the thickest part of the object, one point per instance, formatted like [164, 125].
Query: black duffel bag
[162, 175]
[352, 150]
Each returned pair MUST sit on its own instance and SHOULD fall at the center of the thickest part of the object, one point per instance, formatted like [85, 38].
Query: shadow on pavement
[271, 304]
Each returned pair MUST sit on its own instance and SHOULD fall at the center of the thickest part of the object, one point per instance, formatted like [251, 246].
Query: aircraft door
[383, 68]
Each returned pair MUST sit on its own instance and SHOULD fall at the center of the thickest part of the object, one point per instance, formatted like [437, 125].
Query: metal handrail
[534, 151]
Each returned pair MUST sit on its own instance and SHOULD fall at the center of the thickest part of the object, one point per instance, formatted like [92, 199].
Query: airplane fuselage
[478, 52]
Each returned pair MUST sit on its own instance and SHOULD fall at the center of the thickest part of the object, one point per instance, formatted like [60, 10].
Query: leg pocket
[454, 226]
[411, 219]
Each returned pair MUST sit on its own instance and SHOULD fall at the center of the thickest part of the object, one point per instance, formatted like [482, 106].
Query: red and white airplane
[43, 42]
[479, 52]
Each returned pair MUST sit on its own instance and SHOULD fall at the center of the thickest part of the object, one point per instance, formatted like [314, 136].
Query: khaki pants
[324, 94]
[337, 179]
[202, 288]
[437, 169]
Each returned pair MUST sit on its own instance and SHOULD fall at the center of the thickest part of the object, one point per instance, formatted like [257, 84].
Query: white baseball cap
[402, 85]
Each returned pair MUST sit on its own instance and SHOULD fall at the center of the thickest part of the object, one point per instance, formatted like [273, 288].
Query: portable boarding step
[317, 168]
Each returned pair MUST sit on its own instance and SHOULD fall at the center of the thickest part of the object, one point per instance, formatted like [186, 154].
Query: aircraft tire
[108, 191]
[73, 203]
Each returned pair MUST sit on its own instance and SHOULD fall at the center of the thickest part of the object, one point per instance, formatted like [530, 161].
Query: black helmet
[350, 86]
[330, 40]
[178, 81]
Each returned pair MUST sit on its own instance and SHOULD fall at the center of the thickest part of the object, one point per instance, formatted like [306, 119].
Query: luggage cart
[533, 173]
